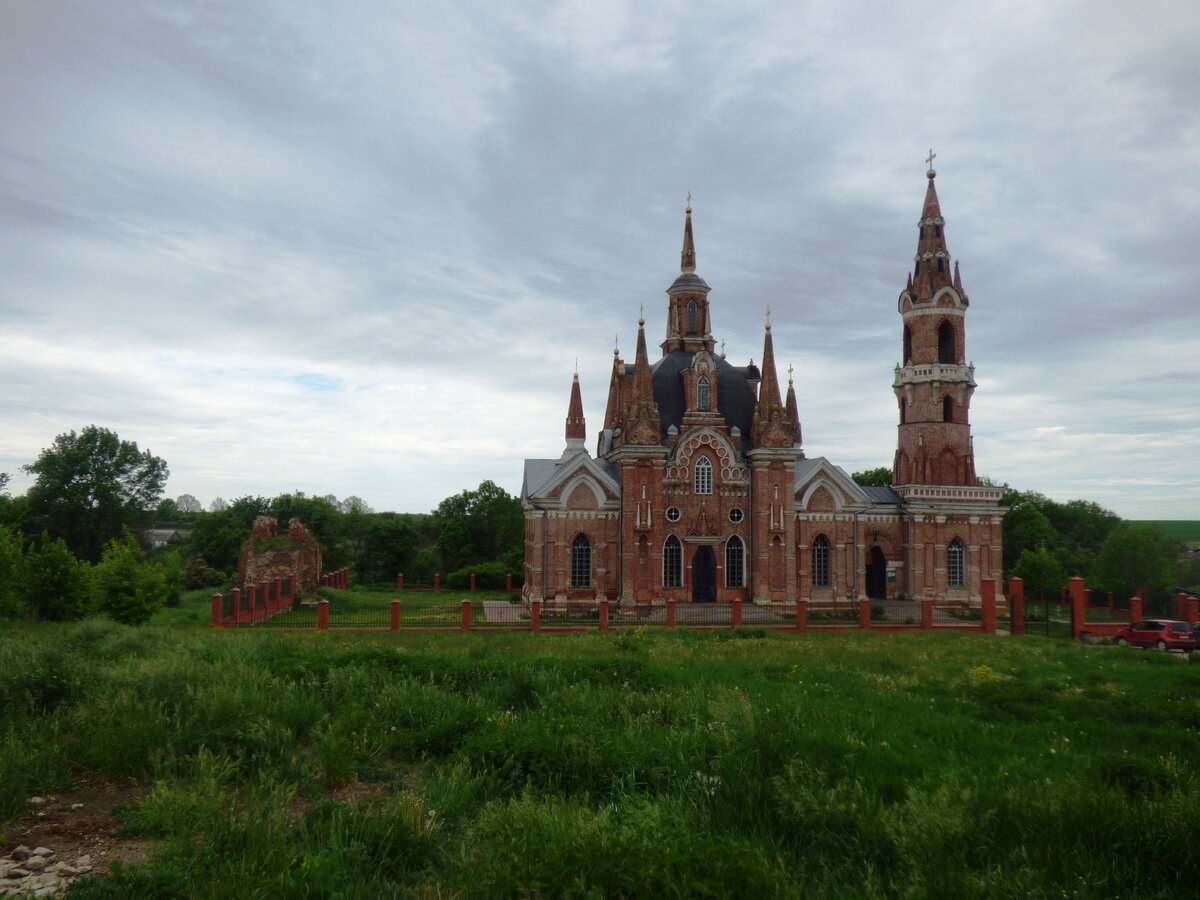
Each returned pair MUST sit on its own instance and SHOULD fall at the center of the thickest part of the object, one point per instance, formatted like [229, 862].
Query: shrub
[54, 584]
[488, 576]
[12, 564]
[199, 574]
[126, 589]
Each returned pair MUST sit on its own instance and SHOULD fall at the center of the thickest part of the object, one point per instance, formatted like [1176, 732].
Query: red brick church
[700, 491]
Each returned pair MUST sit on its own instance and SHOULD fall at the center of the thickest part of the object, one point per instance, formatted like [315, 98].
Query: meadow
[643, 763]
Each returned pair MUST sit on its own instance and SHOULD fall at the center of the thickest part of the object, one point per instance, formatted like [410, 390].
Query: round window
[673, 514]
[736, 515]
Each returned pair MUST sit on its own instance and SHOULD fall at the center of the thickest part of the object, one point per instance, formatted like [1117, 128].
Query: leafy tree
[188, 504]
[1135, 556]
[126, 589]
[90, 486]
[320, 517]
[54, 584]
[218, 504]
[218, 536]
[167, 510]
[878, 477]
[1026, 528]
[12, 570]
[478, 526]
[1040, 571]
[355, 504]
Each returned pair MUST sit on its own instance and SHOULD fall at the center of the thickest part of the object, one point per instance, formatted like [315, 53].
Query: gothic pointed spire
[576, 428]
[793, 412]
[687, 259]
[642, 422]
[770, 427]
[932, 269]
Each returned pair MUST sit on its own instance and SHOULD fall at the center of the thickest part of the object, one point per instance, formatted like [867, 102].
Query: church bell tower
[934, 382]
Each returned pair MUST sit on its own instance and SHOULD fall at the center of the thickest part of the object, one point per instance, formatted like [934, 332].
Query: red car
[1161, 634]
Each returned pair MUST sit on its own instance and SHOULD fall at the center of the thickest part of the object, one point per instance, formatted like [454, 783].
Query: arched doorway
[704, 575]
[877, 575]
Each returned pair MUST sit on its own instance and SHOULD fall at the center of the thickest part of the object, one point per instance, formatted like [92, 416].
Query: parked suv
[1161, 634]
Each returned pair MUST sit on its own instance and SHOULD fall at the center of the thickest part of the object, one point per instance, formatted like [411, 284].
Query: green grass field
[644, 763]
[1187, 531]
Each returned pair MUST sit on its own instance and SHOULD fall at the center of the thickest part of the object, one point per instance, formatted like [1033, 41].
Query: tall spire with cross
[688, 325]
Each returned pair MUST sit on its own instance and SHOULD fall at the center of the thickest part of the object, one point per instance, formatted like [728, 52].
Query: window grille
[703, 476]
[703, 399]
[954, 564]
[672, 563]
[581, 562]
[691, 315]
[820, 557]
[735, 562]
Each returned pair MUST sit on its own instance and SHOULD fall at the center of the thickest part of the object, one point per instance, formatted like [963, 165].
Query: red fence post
[864, 613]
[251, 602]
[1078, 606]
[277, 589]
[437, 581]
[264, 599]
[735, 614]
[535, 614]
[472, 582]
[466, 614]
[1180, 605]
[508, 582]
[927, 612]
[395, 622]
[323, 615]
[399, 581]
[1016, 609]
[604, 615]
[215, 610]
[988, 589]
[1193, 610]
[670, 612]
[1135, 608]
[235, 605]
[801, 615]
[1112, 601]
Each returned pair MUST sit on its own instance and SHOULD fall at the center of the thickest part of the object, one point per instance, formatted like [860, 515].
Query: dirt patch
[80, 822]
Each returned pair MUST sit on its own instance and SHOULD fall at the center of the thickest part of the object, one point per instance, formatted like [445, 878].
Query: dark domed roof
[735, 395]
[689, 281]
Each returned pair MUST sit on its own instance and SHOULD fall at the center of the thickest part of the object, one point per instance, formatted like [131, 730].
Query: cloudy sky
[358, 248]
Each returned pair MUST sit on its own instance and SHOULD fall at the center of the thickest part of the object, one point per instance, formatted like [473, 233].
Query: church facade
[700, 490]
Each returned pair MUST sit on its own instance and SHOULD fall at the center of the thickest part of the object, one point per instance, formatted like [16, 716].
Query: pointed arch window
[703, 476]
[703, 394]
[947, 409]
[907, 345]
[955, 570]
[946, 343]
[691, 315]
[735, 562]
[820, 560]
[581, 562]
[903, 410]
[672, 563]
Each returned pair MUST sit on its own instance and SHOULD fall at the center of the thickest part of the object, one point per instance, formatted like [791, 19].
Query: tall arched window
[907, 346]
[903, 410]
[947, 409]
[581, 562]
[954, 564]
[820, 559]
[672, 563]
[703, 398]
[946, 343]
[703, 476]
[691, 313]
[735, 562]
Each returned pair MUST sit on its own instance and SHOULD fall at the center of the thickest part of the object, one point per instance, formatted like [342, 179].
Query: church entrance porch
[704, 575]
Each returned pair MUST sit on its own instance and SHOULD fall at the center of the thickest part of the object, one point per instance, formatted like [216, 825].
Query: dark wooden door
[704, 575]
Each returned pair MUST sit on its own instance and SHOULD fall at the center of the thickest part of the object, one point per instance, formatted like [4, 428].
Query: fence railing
[351, 610]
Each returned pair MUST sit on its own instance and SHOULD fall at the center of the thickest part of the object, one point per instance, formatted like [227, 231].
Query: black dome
[735, 394]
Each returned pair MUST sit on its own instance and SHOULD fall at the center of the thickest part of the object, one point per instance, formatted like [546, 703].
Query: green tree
[878, 477]
[1135, 556]
[54, 584]
[1026, 528]
[126, 589]
[12, 570]
[478, 526]
[218, 536]
[1040, 571]
[92, 485]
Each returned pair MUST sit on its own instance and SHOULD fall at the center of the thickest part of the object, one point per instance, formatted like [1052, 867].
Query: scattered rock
[37, 801]
[21, 852]
[34, 864]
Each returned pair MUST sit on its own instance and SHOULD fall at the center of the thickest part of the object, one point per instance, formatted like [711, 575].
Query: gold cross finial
[789, 373]
[768, 318]
[642, 314]
[929, 161]
[689, 206]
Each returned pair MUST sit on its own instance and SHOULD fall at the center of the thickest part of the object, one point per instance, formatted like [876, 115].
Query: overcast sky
[357, 248]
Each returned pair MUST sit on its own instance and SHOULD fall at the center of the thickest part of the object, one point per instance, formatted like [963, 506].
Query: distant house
[157, 537]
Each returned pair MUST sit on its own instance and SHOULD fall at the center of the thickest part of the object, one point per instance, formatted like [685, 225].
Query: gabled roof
[810, 473]
[542, 476]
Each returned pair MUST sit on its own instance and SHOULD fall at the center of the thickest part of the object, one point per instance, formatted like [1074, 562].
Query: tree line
[75, 543]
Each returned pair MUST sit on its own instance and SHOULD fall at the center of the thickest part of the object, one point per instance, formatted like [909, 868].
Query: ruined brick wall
[265, 555]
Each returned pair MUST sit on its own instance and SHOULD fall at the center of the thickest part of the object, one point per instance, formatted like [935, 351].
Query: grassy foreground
[641, 764]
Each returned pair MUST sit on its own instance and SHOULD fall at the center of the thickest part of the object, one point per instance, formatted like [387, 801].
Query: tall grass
[641, 764]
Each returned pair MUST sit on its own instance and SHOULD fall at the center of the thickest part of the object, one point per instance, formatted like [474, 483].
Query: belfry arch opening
[946, 343]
